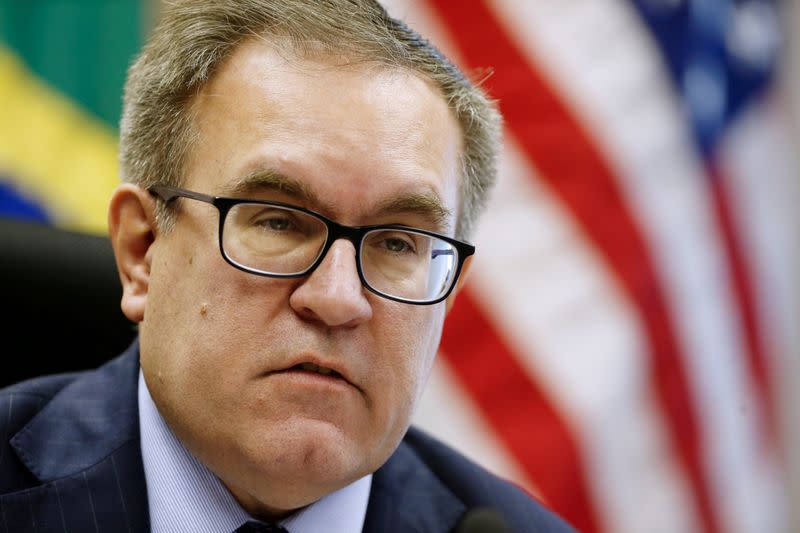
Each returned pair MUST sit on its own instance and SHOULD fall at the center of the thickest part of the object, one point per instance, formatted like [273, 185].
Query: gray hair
[195, 37]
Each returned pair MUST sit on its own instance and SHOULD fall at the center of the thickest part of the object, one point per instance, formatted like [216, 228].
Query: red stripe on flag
[518, 411]
[742, 291]
[577, 173]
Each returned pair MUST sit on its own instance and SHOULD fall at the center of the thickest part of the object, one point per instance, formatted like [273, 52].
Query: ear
[448, 304]
[131, 225]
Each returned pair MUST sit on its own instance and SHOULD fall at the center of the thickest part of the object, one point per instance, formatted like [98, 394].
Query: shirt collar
[184, 495]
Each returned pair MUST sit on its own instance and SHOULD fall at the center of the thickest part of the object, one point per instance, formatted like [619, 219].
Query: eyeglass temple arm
[437, 252]
[168, 193]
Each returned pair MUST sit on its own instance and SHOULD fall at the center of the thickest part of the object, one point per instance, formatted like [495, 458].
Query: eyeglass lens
[280, 240]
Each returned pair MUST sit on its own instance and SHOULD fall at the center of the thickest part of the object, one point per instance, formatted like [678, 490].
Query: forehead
[353, 133]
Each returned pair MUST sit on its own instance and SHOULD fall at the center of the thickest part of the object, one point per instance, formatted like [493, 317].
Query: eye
[397, 243]
[276, 223]
[276, 220]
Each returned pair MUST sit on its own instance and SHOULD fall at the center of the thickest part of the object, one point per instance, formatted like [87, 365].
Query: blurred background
[627, 346]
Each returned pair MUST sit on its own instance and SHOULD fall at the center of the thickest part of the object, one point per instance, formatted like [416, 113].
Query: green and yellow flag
[62, 68]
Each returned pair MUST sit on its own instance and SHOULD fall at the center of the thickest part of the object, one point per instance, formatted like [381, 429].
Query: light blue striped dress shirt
[184, 495]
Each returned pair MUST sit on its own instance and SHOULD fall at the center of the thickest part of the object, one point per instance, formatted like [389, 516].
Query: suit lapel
[83, 447]
[407, 497]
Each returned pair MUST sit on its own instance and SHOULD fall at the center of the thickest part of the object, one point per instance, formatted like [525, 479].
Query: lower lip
[312, 379]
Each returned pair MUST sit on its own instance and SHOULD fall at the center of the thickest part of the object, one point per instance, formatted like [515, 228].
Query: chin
[312, 453]
[295, 470]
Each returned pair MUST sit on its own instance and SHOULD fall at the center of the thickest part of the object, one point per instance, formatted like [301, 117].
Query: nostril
[307, 313]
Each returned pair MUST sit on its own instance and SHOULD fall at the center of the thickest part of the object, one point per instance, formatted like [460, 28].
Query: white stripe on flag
[761, 172]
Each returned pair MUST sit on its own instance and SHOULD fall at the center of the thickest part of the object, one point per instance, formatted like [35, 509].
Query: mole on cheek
[204, 309]
[191, 260]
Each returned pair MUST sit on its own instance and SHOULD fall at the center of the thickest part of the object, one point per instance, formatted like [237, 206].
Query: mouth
[317, 372]
[316, 369]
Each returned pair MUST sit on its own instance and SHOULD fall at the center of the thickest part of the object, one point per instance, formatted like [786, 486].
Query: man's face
[220, 347]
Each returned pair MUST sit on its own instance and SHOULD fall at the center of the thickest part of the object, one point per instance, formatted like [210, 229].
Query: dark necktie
[253, 526]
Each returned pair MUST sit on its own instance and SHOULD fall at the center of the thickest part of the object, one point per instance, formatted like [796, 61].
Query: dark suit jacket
[70, 461]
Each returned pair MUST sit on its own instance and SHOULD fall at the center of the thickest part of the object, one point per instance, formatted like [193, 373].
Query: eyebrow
[426, 205]
[272, 180]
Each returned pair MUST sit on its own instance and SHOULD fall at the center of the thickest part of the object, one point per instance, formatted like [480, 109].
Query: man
[300, 177]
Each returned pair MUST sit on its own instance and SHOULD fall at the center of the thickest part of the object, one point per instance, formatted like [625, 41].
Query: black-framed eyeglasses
[280, 240]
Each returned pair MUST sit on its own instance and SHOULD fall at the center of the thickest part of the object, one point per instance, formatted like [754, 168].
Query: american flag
[629, 325]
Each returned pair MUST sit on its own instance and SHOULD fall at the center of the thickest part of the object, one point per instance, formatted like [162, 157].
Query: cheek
[215, 299]
[428, 345]
[415, 333]
[198, 306]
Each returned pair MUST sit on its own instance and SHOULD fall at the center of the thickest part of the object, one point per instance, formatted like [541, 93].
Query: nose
[333, 293]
